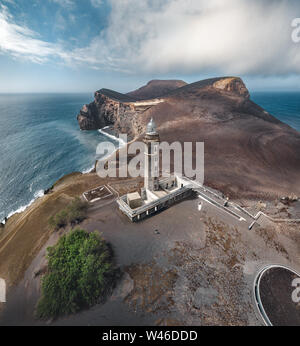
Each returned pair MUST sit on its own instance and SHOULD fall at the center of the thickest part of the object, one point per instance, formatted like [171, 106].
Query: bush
[59, 220]
[80, 272]
[74, 213]
[77, 211]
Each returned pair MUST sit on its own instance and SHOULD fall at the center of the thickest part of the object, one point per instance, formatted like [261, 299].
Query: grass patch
[73, 214]
[80, 273]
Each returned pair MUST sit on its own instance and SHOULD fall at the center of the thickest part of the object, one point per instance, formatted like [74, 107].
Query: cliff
[248, 152]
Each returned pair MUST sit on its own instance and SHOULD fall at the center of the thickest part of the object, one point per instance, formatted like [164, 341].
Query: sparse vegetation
[270, 237]
[73, 214]
[80, 272]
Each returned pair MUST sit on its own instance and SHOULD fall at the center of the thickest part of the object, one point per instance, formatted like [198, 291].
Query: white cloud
[22, 42]
[233, 36]
[182, 36]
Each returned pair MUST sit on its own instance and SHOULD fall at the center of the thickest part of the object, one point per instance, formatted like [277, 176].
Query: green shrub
[77, 211]
[80, 273]
[74, 213]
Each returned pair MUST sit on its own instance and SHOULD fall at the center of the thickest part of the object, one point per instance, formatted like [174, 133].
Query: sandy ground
[198, 269]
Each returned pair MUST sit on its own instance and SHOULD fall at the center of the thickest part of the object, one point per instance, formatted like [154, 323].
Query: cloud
[21, 42]
[181, 36]
[188, 36]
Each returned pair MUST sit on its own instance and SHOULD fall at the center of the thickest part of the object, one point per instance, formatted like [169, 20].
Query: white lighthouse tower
[151, 141]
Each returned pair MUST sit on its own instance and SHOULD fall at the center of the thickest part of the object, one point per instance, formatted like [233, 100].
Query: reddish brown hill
[248, 152]
[156, 88]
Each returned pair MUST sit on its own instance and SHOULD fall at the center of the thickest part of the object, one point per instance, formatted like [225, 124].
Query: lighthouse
[151, 141]
[158, 193]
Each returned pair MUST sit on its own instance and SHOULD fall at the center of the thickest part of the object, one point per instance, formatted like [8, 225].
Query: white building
[157, 193]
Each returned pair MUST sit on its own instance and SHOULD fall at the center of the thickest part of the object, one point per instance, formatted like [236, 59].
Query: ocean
[285, 106]
[40, 141]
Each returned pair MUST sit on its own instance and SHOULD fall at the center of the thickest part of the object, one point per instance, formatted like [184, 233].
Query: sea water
[285, 106]
[40, 141]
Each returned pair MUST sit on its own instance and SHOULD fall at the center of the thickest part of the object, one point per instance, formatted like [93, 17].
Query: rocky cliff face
[111, 111]
[234, 85]
[122, 111]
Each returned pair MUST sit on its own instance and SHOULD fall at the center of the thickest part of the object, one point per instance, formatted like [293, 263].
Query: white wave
[121, 142]
[88, 170]
[39, 194]
[36, 195]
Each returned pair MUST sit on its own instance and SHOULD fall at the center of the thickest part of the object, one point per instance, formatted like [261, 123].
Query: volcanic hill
[248, 152]
[156, 88]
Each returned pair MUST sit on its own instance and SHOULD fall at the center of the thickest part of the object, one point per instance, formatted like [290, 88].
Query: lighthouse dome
[151, 127]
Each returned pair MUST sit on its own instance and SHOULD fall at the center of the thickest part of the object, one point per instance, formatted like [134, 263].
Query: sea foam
[121, 142]
[37, 195]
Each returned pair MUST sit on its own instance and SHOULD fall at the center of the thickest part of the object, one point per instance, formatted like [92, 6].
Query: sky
[85, 45]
